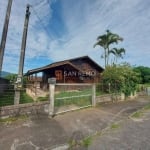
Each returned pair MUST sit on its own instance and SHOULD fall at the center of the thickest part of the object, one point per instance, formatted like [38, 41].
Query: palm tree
[118, 53]
[105, 41]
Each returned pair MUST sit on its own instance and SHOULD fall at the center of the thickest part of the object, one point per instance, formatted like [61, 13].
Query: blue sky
[63, 29]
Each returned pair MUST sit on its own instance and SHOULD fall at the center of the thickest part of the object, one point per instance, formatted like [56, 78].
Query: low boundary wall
[46, 107]
[116, 97]
[21, 109]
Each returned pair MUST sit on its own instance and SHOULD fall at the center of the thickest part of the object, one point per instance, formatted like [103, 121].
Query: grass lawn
[78, 98]
[71, 98]
[79, 101]
[8, 98]
[46, 98]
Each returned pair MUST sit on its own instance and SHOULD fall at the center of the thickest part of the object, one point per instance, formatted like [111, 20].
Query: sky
[64, 29]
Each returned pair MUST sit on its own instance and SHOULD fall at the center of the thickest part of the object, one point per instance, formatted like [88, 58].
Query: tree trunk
[105, 57]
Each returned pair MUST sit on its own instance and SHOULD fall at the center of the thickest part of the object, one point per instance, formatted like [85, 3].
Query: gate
[69, 97]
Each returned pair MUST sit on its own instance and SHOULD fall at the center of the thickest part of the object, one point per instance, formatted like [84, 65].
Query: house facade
[76, 70]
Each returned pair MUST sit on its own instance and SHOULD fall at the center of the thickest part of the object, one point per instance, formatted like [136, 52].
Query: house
[76, 70]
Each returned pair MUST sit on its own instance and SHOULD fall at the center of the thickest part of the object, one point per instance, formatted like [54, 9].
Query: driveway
[42, 133]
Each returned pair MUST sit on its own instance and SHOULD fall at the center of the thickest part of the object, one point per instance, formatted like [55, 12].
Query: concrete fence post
[16, 97]
[51, 99]
[51, 82]
[148, 91]
[93, 95]
[122, 96]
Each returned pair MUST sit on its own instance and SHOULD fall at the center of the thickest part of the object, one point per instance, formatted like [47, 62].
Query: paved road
[132, 134]
[41, 133]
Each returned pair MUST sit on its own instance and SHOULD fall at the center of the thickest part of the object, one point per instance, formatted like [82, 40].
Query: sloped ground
[42, 133]
[131, 134]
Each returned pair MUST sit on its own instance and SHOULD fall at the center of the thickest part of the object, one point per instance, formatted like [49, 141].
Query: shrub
[122, 78]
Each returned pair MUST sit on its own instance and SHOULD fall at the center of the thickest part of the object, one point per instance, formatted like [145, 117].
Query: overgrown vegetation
[119, 78]
[122, 78]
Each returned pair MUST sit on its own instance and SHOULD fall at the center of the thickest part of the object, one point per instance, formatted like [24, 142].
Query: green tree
[144, 72]
[105, 41]
[118, 53]
[11, 77]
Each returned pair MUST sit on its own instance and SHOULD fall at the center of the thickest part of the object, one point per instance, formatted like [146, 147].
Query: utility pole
[4, 34]
[19, 82]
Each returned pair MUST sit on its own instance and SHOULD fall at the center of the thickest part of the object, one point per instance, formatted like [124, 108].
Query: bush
[122, 77]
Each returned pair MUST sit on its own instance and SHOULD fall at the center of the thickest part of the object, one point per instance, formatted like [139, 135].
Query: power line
[41, 22]
[38, 3]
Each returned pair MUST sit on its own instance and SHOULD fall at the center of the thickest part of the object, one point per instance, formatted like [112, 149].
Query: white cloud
[84, 21]
[36, 41]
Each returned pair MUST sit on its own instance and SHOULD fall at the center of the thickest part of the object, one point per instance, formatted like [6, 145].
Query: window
[58, 74]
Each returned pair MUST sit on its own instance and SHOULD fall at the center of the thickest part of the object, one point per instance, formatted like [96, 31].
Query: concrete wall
[110, 98]
[30, 108]
[115, 97]
[4, 83]
[103, 98]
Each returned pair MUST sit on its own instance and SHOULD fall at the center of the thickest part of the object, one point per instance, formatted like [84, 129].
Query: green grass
[86, 142]
[8, 98]
[73, 93]
[25, 98]
[13, 119]
[137, 114]
[79, 101]
[46, 98]
[115, 126]
[147, 107]
[140, 113]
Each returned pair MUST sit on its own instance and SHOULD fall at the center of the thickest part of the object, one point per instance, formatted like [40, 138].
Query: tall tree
[117, 52]
[105, 41]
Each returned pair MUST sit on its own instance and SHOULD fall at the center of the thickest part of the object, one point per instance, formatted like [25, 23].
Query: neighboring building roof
[61, 63]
